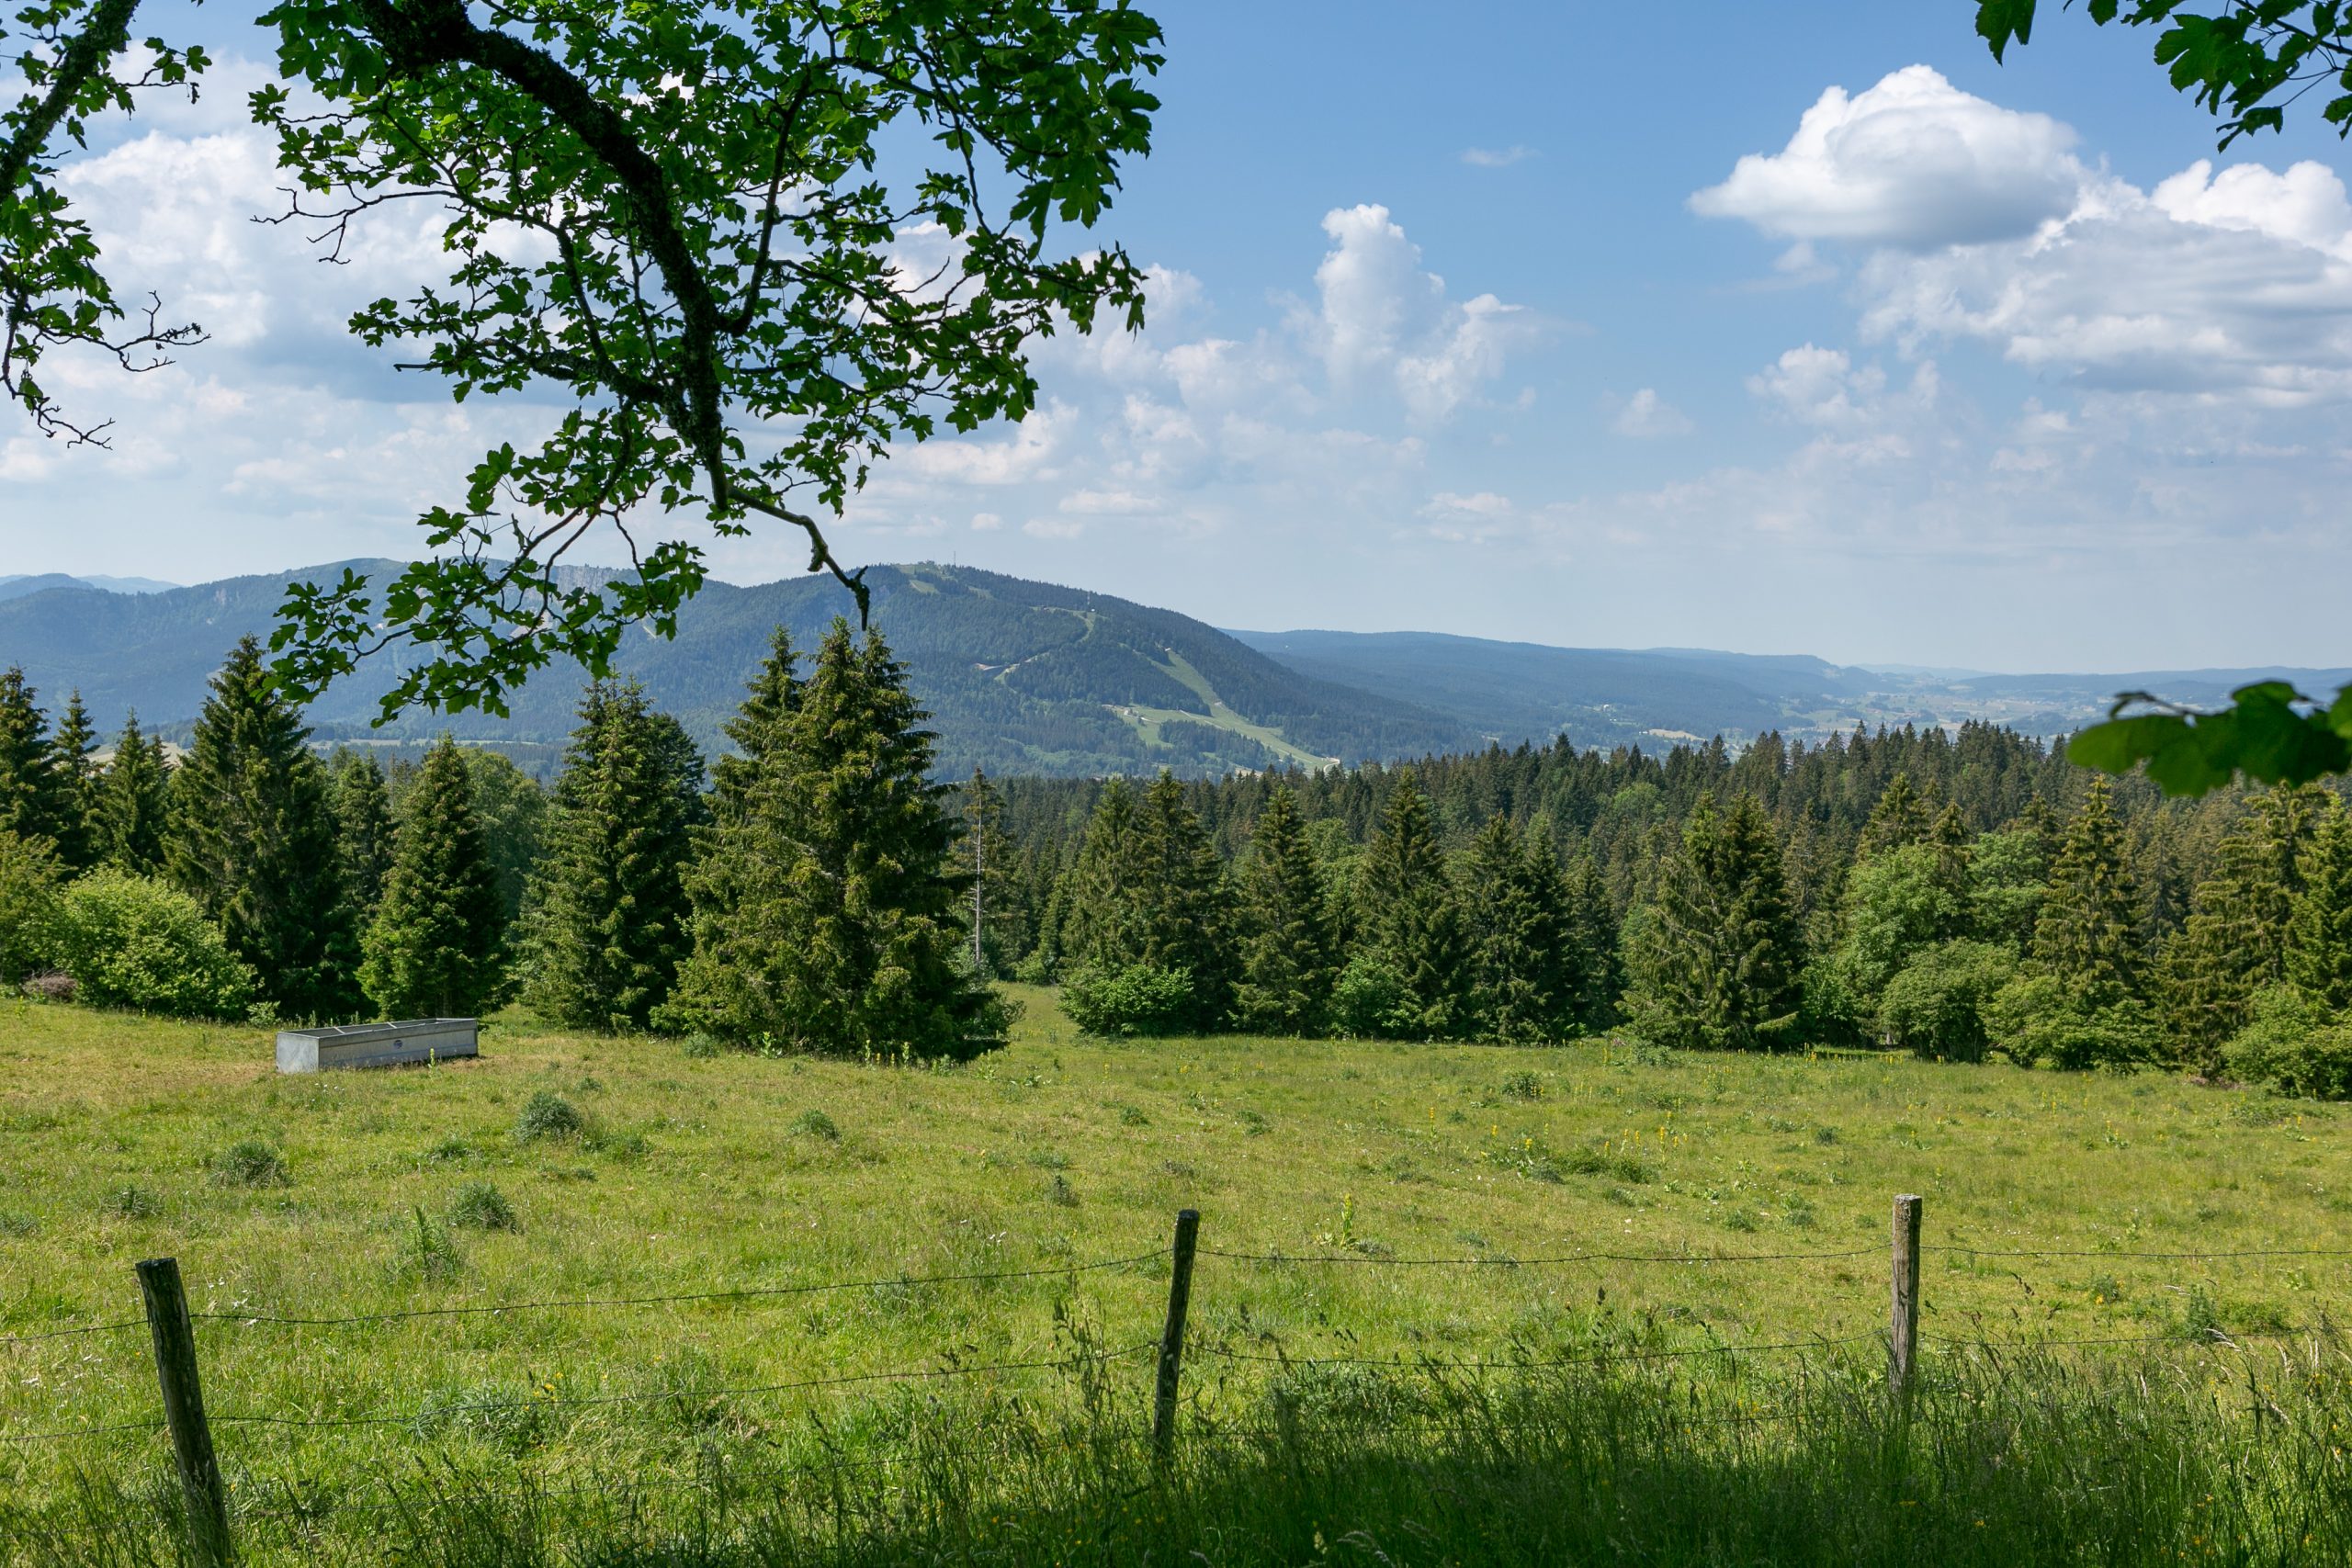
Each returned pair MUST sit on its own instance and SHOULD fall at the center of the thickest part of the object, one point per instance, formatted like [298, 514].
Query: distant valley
[1030, 677]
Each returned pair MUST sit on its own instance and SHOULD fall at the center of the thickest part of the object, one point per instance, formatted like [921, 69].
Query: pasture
[1453, 1304]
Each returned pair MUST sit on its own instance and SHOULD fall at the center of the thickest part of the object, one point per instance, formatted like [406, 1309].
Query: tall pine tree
[828, 902]
[1411, 914]
[434, 949]
[253, 842]
[2234, 942]
[135, 804]
[1524, 962]
[2319, 933]
[1289, 955]
[1900, 817]
[1099, 925]
[2088, 930]
[1181, 900]
[363, 829]
[610, 920]
[33, 801]
[76, 786]
[1719, 961]
[999, 920]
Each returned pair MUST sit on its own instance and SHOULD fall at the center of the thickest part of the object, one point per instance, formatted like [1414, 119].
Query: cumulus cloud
[1978, 222]
[1382, 317]
[1913, 161]
[1647, 416]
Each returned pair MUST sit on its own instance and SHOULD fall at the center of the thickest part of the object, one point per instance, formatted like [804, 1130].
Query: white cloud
[1382, 317]
[1646, 416]
[1497, 158]
[1913, 161]
[1978, 223]
[1819, 386]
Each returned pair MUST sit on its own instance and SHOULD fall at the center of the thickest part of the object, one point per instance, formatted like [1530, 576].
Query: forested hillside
[1019, 677]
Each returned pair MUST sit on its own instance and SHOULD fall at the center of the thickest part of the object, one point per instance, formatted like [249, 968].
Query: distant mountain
[18, 587]
[1021, 677]
[1607, 697]
[1027, 677]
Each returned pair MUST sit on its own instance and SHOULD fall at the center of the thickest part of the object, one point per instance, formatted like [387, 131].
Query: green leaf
[1998, 21]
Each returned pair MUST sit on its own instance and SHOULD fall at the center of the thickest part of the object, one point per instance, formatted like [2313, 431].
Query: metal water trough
[378, 1045]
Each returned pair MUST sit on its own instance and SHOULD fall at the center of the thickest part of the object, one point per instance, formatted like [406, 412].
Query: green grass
[608, 1434]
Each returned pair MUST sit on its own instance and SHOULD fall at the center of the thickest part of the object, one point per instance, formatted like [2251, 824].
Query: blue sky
[1473, 319]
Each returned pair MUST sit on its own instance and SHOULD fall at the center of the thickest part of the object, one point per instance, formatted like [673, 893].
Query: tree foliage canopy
[689, 225]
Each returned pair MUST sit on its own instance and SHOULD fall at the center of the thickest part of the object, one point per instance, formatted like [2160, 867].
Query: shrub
[29, 880]
[1935, 1004]
[2294, 1046]
[1137, 1000]
[699, 1046]
[813, 1123]
[2035, 1018]
[130, 1202]
[481, 1206]
[548, 1115]
[51, 986]
[133, 943]
[249, 1162]
[1372, 1000]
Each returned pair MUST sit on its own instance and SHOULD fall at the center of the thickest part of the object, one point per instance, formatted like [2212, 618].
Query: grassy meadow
[1522, 1401]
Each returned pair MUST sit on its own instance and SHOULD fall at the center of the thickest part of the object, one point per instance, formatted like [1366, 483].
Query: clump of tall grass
[2200, 1456]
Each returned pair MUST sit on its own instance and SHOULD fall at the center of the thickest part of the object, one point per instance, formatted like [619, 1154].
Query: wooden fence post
[1171, 1337]
[1903, 1340]
[167, 1319]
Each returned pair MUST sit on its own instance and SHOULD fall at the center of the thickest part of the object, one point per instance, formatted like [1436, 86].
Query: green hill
[1021, 677]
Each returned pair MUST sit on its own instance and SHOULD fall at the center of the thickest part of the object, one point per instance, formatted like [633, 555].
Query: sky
[1798, 328]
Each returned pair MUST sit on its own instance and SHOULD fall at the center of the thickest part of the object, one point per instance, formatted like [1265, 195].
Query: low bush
[2035, 1020]
[481, 1206]
[1935, 1004]
[1371, 1001]
[548, 1115]
[132, 943]
[249, 1162]
[51, 986]
[29, 884]
[2294, 1046]
[1135, 1000]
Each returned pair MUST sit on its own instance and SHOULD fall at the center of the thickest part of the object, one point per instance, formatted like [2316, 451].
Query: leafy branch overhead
[2246, 64]
[692, 224]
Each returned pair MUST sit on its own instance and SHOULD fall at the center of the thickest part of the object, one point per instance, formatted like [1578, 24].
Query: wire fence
[184, 1420]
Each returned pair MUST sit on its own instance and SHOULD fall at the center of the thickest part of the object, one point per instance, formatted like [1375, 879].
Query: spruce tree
[135, 804]
[1593, 916]
[434, 949]
[76, 784]
[610, 918]
[2319, 933]
[2234, 942]
[1290, 956]
[363, 829]
[1900, 817]
[1522, 964]
[1097, 924]
[33, 803]
[1722, 950]
[1409, 912]
[1181, 900]
[828, 901]
[2087, 933]
[253, 842]
[761, 728]
[999, 918]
